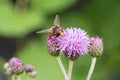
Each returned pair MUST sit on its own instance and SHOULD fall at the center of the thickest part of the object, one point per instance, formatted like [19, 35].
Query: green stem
[13, 77]
[62, 67]
[18, 77]
[93, 62]
[70, 69]
[28, 77]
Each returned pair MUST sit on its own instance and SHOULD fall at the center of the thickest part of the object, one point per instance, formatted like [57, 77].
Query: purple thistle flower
[96, 46]
[52, 45]
[29, 68]
[15, 62]
[17, 65]
[74, 42]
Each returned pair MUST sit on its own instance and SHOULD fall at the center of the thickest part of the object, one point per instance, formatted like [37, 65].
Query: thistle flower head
[73, 43]
[17, 65]
[15, 62]
[52, 45]
[28, 68]
[96, 46]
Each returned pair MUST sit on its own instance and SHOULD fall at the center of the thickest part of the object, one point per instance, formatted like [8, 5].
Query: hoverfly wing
[44, 31]
[52, 30]
[57, 21]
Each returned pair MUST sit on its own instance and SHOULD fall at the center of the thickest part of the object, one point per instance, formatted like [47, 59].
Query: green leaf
[52, 6]
[14, 23]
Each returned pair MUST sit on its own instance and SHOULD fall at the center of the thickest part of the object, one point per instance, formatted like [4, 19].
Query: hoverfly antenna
[57, 20]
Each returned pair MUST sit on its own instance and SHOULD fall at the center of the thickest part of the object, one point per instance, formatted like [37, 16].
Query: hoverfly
[54, 30]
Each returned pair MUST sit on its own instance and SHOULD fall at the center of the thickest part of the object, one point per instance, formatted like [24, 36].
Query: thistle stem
[70, 69]
[13, 77]
[62, 67]
[27, 78]
[18, 77]
[93, 61]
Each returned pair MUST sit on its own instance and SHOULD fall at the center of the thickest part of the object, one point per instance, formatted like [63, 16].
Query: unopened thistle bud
[6, 66]
[33, 74]
[96, 46]
[9, 71]
[28, 68]
[52, 45]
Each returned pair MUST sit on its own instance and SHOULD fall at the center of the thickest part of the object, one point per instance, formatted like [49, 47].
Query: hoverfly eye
[56, 28]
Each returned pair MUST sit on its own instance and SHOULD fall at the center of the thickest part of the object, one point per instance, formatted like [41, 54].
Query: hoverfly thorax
[55, 30]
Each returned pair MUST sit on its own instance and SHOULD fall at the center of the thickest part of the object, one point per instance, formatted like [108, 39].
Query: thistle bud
[52, 46]
[33, 74]
[29, 68]
[6, 66]
[96, 46]
[9, 71]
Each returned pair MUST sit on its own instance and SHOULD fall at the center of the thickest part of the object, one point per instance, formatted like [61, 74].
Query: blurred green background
[20, 19]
